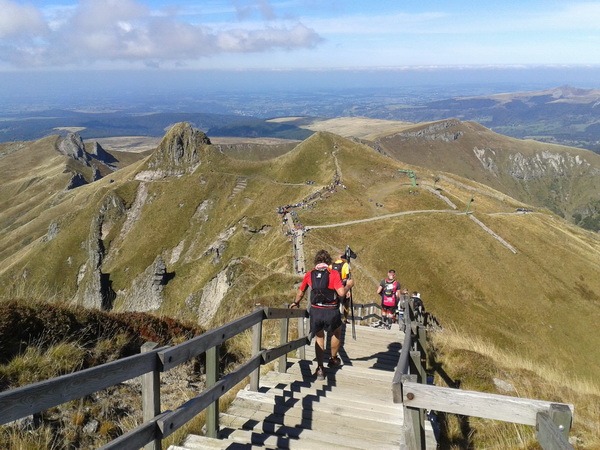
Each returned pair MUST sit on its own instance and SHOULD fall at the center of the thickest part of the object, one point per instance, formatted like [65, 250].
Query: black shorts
[389, 309]
[327, 319]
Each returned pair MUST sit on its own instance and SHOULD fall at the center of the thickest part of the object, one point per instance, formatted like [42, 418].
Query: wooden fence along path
[351, 408]
[376, 399]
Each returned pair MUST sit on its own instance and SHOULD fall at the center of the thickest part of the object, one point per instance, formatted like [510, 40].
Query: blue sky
[296, 34]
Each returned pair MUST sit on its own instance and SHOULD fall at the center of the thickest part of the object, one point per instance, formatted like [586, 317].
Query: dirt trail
[386, 216]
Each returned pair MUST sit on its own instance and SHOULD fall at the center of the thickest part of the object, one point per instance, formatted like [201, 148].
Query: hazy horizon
[40, 90]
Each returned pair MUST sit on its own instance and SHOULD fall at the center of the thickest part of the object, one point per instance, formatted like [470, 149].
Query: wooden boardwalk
[351, 409]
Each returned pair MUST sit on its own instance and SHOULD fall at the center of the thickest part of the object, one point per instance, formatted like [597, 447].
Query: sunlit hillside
[191, 233]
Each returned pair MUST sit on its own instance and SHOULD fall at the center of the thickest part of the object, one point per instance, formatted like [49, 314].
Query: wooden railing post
[302, 332]
[151, 396]
[283, 332]
[552, 427]
[256, 347]
[212, 376]
[414, 427]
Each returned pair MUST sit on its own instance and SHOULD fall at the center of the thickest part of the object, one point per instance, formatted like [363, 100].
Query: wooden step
[318, 403]
[196, 442]
[313, 441]
[329, 438]
[297, 389]
[348, 398]
[294, 366]
[350, 430]
[312, 419]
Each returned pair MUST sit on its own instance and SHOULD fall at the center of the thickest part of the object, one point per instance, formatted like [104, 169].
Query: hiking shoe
[320, 374]
[334, 361]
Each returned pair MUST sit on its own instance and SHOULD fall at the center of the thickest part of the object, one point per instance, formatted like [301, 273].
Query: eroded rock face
[213, 294]
[94, 287]
[146, 292]
[72, 146]
[178, 153]
[437, 131]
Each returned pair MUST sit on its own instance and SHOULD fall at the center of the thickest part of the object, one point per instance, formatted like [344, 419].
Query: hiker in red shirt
[326, 291]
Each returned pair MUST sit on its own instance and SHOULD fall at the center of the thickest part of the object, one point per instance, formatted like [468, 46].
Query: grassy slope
[562, 194]
[530, 303]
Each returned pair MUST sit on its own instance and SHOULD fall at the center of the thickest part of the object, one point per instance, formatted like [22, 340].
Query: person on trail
[389, 289]
[326, 290]
[403, 299]
[342, 266]
[417, 302]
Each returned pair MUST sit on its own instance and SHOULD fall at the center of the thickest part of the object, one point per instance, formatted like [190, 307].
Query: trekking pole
[352, 313]
[348, 255]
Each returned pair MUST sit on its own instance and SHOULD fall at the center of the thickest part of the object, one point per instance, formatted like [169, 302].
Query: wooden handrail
[552, 420]
[27, 400]
[36, 397]
[173, 356]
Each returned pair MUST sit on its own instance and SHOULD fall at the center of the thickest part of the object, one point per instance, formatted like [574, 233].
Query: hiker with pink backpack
[389, 289]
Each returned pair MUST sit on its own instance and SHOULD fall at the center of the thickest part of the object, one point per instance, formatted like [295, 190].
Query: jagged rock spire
[72, 146]
[179, 151]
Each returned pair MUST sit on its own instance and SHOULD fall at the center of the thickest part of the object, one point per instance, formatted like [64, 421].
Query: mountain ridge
[204, 240]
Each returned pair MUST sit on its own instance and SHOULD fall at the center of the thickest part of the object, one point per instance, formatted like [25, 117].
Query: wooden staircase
[351, 409]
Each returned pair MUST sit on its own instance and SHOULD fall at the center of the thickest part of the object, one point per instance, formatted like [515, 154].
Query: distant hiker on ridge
[389, 289]
[327, 289]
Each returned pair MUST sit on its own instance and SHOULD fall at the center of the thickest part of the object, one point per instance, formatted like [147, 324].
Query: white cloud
[126, 30]
[20, 20]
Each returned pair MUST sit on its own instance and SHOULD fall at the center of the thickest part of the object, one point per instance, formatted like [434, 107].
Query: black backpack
[320, 294]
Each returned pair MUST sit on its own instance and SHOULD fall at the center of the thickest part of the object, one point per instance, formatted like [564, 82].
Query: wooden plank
[212, 375]
[367, 305]
[198, 345]
[40, 396]
[151, 396]
[256, 348]
[549, 435]
[174, 420]
[402, 368]
[413, 428]
[302, 332]
[283, 340]
[285, 313]
[276, 352]
[136, 438]
[476, 404]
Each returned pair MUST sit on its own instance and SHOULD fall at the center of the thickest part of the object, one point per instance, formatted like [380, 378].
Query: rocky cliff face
[72, 146]
[85, 171]
[178, 153]
[94, 286]
[540, 165]
[437, 131]
[146, 293]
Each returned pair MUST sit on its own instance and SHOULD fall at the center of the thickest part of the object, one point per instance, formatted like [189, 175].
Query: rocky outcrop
[178, 153]
[436, 131]
[545, 164]
[53, 230]
[72, 146]
[213, 294]
[94, 286]
[100, 154]
[487, 158]
[146, 292]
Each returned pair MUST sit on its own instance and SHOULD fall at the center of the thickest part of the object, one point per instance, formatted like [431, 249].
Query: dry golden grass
[474, 361]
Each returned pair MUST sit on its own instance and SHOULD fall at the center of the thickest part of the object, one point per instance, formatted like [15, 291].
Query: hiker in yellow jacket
[342, 266]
